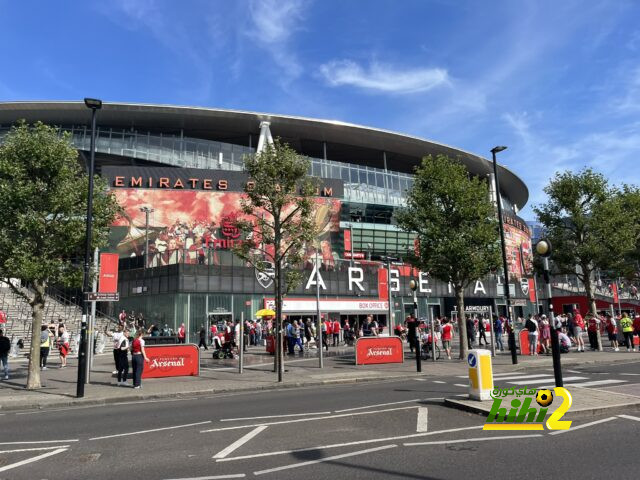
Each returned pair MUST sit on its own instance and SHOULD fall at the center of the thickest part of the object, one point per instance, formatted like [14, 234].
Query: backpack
[531, 326]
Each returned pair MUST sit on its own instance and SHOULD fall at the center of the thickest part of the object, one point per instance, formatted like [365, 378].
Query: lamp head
[413, 285]
[498, 149]
[543, 248]
[93, 103]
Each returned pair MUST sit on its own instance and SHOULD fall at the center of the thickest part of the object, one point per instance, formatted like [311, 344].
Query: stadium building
[178, 174]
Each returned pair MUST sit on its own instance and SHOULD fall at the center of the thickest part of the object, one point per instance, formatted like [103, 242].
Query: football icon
[544, 397]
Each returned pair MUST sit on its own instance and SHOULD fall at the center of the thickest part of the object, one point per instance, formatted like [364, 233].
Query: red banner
[614, 287]
[370, 350]
[172, 361]
[108, 282]
[383, 284]
[347, 241]
[532, 291]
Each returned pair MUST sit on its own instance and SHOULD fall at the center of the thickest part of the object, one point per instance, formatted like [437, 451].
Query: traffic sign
[102, 297]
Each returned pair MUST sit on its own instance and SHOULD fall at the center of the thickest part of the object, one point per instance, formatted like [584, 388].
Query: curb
[82, 402]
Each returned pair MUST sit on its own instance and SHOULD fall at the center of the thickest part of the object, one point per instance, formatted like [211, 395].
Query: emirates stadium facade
[178, 174]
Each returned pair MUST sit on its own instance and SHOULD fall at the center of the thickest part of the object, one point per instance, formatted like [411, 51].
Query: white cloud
[273, 23]
[382, 77]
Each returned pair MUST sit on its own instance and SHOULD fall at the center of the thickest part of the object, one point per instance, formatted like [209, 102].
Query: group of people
[123, 343]
[54, 336]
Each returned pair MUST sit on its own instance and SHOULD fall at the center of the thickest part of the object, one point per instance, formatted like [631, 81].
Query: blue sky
[558, 82]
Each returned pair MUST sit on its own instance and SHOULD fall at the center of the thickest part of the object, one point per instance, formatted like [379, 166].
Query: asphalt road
[377, 430]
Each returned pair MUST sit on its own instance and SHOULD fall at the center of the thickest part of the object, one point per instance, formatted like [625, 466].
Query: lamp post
[507, 294]
[543, 248]
[94, 105]
[147, 211]
[413, 285]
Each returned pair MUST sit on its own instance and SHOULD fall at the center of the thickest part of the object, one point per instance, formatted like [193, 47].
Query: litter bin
[480, 374]
[271, 344]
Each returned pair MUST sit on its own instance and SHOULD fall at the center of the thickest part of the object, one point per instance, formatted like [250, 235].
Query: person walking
[471, 332]
[122, 364]
[203, 337]
[116, 337]
[545, 334]
[481, 332]
[307, 332]
[532, 326]
[498, 328]
[182, 334]
[63, 346]
[447, 335]
[298, 335]
[336, 332]
[45, 345]
[626, 324]
[612, 332]
[138, 358]
[5, 348]
[578, 328]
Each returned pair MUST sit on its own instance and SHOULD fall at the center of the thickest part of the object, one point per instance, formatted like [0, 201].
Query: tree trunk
[280, 316]
[462, 324]
[591, 301]
[37, 311]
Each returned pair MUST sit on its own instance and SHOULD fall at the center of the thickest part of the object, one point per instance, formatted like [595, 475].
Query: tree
[588, 225]
[278, 222]
[456, 227]
[43, 197]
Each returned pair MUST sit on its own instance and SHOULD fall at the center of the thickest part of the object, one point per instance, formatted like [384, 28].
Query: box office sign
[373, 350]
[172, 361]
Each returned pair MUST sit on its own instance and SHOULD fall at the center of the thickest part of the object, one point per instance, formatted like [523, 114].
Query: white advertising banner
[308, 305]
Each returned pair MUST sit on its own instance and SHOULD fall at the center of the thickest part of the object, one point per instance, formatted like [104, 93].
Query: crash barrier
[178, 360]
[372, 350]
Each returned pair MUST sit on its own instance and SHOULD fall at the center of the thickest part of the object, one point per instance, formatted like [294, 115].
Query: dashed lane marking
[36, 449]
[478, 439]
[584, 425]
[273, 416]
[39, 442]
[31, 460]
[215, 477]
[383, 404]
[348, 444]
[150, 431]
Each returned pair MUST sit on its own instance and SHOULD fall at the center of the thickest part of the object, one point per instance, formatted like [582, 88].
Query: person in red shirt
[326, 331]
[636, 326]
[612, 333]
[138, 357]
[181, 334]
[336, 332]
[578, 328]
[592, 332]
[447, 335]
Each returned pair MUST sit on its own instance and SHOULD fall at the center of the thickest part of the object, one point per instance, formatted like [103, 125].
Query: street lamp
[543, 248]
[507, 294]
[413, 285]
[94, 105]
[146, 211]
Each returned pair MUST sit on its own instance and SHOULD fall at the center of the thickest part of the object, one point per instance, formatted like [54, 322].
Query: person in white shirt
[117, 340]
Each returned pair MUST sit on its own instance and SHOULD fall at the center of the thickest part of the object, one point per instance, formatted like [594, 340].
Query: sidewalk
[218, 376]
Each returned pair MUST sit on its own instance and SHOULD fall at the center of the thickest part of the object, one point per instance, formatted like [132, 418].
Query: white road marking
[595, 383]
[273, 416]
[544, 381]
[115, 404]
[33, 449]
[479, 439]
[438, 381]
[420, 379]
[348, 444]
[41, 441]
[31, 460]
[630, 374]
[297, 420]
[241, 441]
[326, 459]
[422, 423]
[522, 377]
[383, 404]
[215, 477]
[630, 417]
[463, 385]
[149, 431]
[584, 425]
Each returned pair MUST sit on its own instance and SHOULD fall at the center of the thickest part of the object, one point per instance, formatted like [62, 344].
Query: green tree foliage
[43, 198]
[456, 227]
[588, 225]
[279, 221]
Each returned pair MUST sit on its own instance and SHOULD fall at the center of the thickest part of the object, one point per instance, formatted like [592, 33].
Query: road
[376, 430]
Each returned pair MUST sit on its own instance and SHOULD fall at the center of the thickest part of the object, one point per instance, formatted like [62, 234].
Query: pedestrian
[471, 332]
[367, 328]
[308, 334]
[592, 332]
[203, 337]
[626, 324]
[612, 332]
[298, 334]
[481, 332]
[532, 326]
[578, 328]
[447, 335]
[326, 328]
[45, 345]
[5, 347]
[117, 340]
[122, 364]
[545, 334]
[636, 327]
[182, 334]
[335, 328]
[290, 336]
[138, 358]
[63, 346]
[498, 328]
[412, 330]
